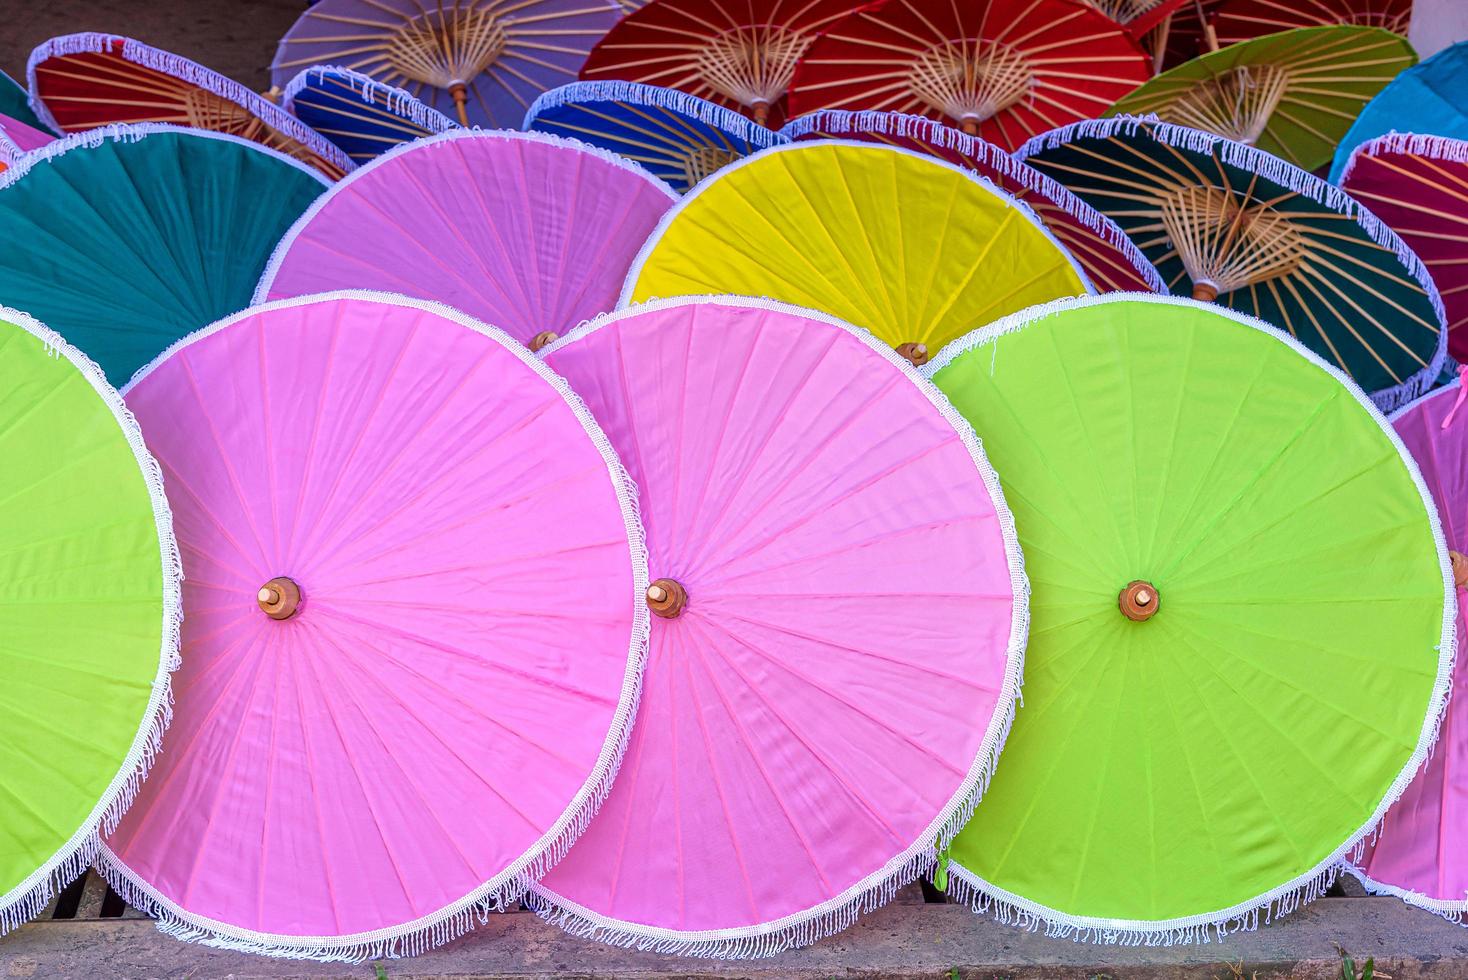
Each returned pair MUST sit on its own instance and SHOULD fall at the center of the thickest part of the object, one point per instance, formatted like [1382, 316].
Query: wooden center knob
[1205, 291]
[1460, 568]
[1138, 601]
[279, 598]
[916, 353]
[666, 598]
[544, 339]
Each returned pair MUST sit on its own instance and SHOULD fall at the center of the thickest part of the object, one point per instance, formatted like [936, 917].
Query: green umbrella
[90, 617]
[134, 236]
[1242, 618]
[1225, 221]
[1293, 94]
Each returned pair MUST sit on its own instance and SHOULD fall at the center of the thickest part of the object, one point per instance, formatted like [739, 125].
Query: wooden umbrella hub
[700, 161]
[1139, 601]
[752, 65]
[1226, 242]
[448, 47]
[667, 598]
[970, 80]
[916, 354]
[543, 339]
[279, 598]
[1237, 103]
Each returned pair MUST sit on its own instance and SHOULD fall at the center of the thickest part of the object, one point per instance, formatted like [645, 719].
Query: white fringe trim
[31, 896]
[935, 133]
[735, 124]
[877, 888]
[132, 133]
[185, 70]
[1409, 144]
[428, 144]
[389, 98]
[1455, 911]
[1015, 910]
[1288, 176]
[629, 285]
[510, 884]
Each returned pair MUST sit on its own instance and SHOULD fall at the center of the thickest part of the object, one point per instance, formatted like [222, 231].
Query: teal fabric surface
[15, 103]
[1431, 98]
[127, 239]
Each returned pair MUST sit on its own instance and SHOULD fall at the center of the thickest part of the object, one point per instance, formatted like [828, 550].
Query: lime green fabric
[1194, 762]
[82, 625]
[130, 244]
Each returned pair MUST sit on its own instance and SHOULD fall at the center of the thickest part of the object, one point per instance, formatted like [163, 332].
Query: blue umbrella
[1431, 99]
[679, 137]
[361, 115]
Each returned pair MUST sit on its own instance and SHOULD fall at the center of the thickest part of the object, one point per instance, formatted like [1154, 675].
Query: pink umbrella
[415, 628]
[840, 622]
[1420, 853]
[530, 232]
[17, 139]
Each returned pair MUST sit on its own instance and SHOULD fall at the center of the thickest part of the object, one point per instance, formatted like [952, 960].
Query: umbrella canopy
[1418, 185]
[836, 225]
[91, 613]
[416, 576]
[1419, 853]
[1193, 755]
[18, 139]
[1426, 99]
[1138, 16]
[1190, 32]
[137, 235]
[481, 62]
[529, 232]
[1292, 94]
[812, 506]
[83, 81]
[679, 137]
[1227, 222]
[15, 102]
[1108, 256]
[1000, 69]
[363, 117]
[1242, 20]
[740, 54]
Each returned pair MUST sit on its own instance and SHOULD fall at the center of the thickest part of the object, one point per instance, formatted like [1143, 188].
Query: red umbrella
[1003, 70]
[737, 53]
[1191, 32]
[1149, 21]
[1242, 20]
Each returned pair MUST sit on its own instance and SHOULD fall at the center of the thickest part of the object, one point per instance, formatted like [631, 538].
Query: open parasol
[83, 81]
[529, 232]
[863, 232]
[1227, 545]
[415, 633]
[1227, 222]
[1292, 94]
[839, 618]
[679, 137]
[1243, 20]
[1149, 22]
[1418, 855]
[363, 117]
[1000, 69]
[1102, 249]
[481, 62]
[137, 235]
[15, 102]
[1427, 99]
[740, 54]
[1418, 185]
[91, 613]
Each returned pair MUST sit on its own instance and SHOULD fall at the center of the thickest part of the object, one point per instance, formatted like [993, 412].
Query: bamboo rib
[970, 81]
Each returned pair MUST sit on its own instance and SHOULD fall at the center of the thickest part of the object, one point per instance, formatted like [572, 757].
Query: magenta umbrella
[1420, 853]
[840, 619]
[18, 139]
[530, 232]
[414, 636]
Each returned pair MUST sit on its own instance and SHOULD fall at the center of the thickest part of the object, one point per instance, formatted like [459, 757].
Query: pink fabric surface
[825, 693]
[17, 138]
[524, 231]
[448, 686]
[1422, 847]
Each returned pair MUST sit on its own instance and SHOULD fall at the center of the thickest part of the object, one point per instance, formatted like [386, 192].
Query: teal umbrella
[15, 103]
[131, 237]
[1430, 99]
